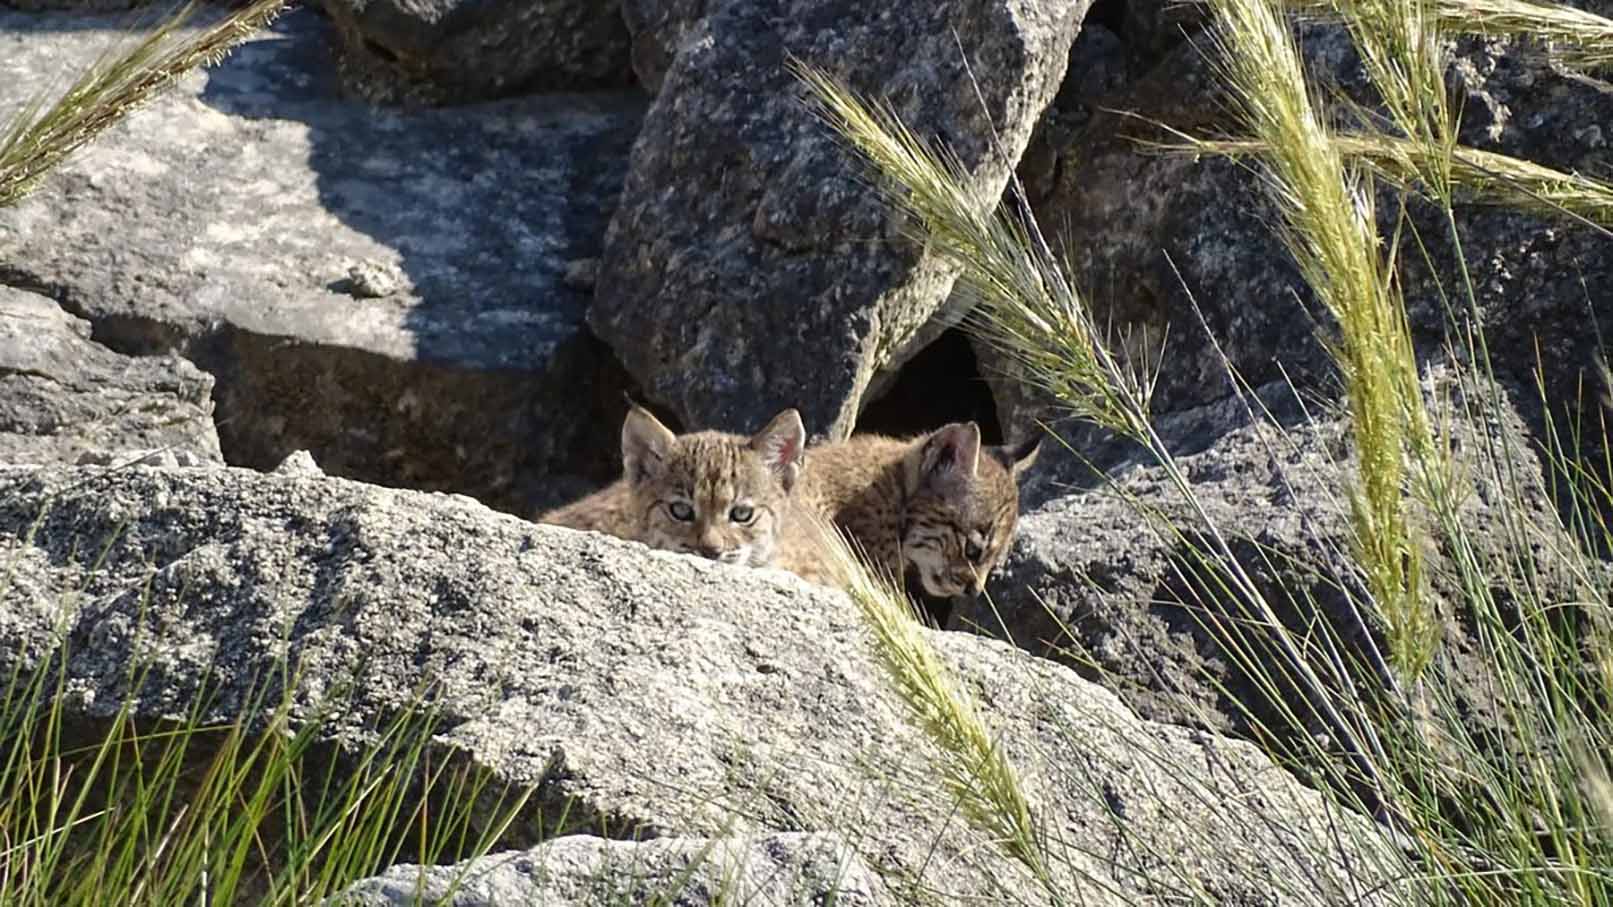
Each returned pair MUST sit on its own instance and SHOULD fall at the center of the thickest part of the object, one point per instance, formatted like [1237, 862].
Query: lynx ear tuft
[645, 443]
[780, 445]
[952, 452]
[1018, 459]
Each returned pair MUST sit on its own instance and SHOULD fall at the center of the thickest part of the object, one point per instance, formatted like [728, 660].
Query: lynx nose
[965, 584]
[972, 584]
[709, 545]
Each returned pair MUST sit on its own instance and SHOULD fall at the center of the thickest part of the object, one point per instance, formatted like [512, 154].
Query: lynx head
[962, 507]
[717, 495]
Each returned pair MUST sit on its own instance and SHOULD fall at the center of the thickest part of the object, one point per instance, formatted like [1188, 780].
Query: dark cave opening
[941, 384]
[1110, 14]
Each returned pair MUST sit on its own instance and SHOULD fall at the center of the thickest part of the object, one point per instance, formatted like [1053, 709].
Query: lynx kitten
[939, 508]
[717, 495]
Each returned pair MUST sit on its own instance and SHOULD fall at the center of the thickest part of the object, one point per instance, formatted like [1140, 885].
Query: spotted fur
[940, 509]
[711, 494]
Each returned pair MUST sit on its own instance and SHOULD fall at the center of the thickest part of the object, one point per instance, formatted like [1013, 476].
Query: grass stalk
[1402, 47]
[1481, 177]
[46, 132]
[974, 770]
[193, 811]
[1049, 330]
[1028, 304]
[1579, 39]
[1330, 228]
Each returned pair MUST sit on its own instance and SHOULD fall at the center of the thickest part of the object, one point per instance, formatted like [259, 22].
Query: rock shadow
[430, 271]
[940, 384]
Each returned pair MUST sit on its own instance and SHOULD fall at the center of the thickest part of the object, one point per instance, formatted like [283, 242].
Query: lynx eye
[742, 513]
[681, 511]
[973, 552]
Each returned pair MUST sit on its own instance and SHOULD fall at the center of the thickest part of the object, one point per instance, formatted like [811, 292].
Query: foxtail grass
[974, 770]
[48, 130]
[1481, 177]
[1403, 49]
[1028, 302]
[1496, 820]
[1329, 226]
[1030, 310]
[1578, 39]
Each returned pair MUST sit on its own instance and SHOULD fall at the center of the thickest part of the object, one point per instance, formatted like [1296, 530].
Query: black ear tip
[1018, 456]
[786, 420]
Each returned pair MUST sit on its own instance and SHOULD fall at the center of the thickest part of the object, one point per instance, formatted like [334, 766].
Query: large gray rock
[1152, 234]
[775, 870]
[66, 399]
[459, 51]
[1104, 578]
[390, 292]
[642, 694]
[750, 266]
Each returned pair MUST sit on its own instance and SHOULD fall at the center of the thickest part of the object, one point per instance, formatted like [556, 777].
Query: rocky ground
[431, 245]
[643, 693]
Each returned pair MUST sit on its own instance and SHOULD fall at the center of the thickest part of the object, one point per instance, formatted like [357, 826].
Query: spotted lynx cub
[717, 495]
[939, 508]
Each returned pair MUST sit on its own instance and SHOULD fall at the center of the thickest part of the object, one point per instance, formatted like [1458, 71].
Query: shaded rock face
[460, 51]
[1095, 583]
[659, 29]
[393, 293]
[1151, 234]
[642, 694]
[775, 870]
[749, 267]
[1096, 71]
[1153, 28]
[66, 399]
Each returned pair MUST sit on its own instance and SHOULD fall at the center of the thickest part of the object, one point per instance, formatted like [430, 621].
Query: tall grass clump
[1329, 225]
[1506, 808]
[255, 809]
[264, 807]
[47, 130]
[1538, 603]
[1026, 304]
[1508, 817]
[191, 811]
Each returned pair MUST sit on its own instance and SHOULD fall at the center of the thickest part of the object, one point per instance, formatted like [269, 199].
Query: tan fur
[917, 506]
[690, 493]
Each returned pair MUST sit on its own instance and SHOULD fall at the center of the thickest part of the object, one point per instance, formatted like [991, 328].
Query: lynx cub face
[962, 507]
[716, 495]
